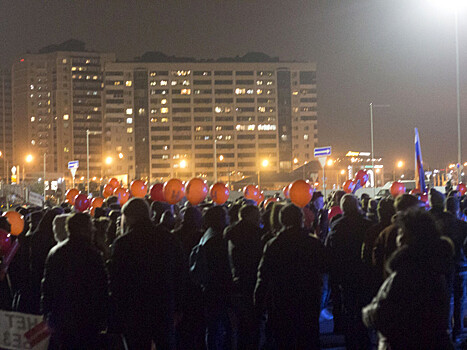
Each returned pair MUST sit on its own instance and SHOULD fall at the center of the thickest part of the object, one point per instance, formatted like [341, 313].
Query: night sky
[395, 52]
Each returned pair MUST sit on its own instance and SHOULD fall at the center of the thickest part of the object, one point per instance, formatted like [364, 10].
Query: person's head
[250, 214]
[336, 199]
[59, 227]
[365, 199]
[216, 218]
[134, 211]
[274, 217]
[349, 204]
[193, 218]
[452, 205]
[436, 199]
[317, 200]
[454, 193]
[372, 206]
[385, 209]
[168, 220]
[233, 212]
[416, 227]
[157, 209]
[291, 216]
[111, 200]
[79, 224]
[405, 201]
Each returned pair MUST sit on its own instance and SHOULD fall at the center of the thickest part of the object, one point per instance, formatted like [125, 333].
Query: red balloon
[461, 188]
[157, 192]
[138, 188]
[82, 202]
[219, 193]
[196, 190]
[122, 194]
[286, 191]
[108, 191]
[5, 242]
[251, 192]
[349, 186]
[397, 188]
[16, 221]
[361, 175]
[300, 193]
[97, 202]
[174, 190]
[335, 210]
[71, 194]
[114, 183]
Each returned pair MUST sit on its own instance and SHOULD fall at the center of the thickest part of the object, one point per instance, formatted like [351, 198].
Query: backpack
[199, 272]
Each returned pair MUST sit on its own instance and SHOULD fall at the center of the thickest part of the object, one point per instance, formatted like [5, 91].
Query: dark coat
[345, 242]
[75, 288]
[385, 245]
[245, 251]
[142, 283]
[411, 309]
[289, 277]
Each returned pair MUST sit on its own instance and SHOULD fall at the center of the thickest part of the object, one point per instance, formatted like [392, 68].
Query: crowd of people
[244, 275]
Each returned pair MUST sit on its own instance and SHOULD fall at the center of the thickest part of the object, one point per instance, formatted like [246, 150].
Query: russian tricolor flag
[419, 173]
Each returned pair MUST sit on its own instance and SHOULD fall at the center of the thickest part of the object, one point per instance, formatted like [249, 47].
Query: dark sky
[396, 52]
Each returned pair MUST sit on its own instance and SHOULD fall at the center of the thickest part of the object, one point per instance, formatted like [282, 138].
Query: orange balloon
[97, 202]
[71, 194]
[114, 183]
[108, 190]
[196, 190]
[397, 188]
[16, 221]
[219, 193]
[138, 188]
[122, 194]
[251, 192]
[300, 193]
[174, 190]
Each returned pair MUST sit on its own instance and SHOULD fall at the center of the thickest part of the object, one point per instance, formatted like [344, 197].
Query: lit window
[141, 111]
[73, 69]
[218, 109]
[163, 82]
[129, 120]
[186, 83]
[153, 83]
[66, 117]
[259, 91]
[228, 137]
[164, 101]
[128, 83]
[165, 156]
[116, 83]
[94, 77]
[269, 82]
[186, 92]
[32, 87]
[305, 137]
[267, 127]
[129, 130]
[88, 61]
[153, 110]
[262, 109]
[173, 82]
[164, 110]
[164, 120]
[33, 119]
[95, 109]
[259, 82]
[129, 111]
[239, 91]
[250, 91]
[295, 93]
[33, 142]
[66, 149]
[251, 127]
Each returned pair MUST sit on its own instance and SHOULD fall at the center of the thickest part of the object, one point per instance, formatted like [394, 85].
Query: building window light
[164, 120]
[128, 83]
[66, 117]
[250, 91]
[164, 110]
[251, 127]
[164, 101]
[185, 92]
[129, 120]
[163, 82]
[239, 91]
[259, 91]
[129, 130]
[129, 111]
[33, 119]
[186, 83]
[173, 82]
[218, 109]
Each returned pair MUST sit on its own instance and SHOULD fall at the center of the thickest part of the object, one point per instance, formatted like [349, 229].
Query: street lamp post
[88, 132]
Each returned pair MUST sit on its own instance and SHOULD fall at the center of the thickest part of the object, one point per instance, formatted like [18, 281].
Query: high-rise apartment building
[56, 98]
[185, 118]
[6, 148]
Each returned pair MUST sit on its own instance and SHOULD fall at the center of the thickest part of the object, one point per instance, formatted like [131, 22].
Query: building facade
[216, 120]
[6, 147]
[57, 96]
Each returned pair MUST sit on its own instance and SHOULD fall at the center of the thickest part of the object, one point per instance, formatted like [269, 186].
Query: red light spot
[21, 60]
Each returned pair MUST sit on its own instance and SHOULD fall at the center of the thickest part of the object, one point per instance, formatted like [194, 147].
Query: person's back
[290, 274]
[141, 281]
[75, 288]
[411, 308]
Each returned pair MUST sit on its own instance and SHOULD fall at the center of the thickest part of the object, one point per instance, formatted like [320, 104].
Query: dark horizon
[400, 53]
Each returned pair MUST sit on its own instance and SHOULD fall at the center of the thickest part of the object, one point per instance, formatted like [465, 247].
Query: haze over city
[399, 53]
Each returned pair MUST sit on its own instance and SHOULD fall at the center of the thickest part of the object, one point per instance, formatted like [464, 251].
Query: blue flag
[419, 173]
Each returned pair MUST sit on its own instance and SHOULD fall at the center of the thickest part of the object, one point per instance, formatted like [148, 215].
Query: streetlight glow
[183, 164]
[342, 172]
[330, 162]
[29, 158]
[221, 157]
[400, 164]
[265, 163]
[108, 160]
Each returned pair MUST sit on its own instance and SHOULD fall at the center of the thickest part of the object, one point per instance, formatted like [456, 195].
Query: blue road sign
[74, 164]
[323, 151]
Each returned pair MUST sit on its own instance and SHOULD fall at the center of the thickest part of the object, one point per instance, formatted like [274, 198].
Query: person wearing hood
[411, 309]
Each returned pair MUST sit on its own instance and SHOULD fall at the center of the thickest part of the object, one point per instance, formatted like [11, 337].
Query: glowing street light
[183, 164]
[265, 163]
[330, 162]
[400, 164]
[29, 158]
[108, 160]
